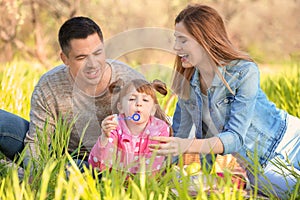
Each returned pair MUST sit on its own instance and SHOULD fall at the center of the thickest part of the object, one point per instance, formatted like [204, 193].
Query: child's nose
[138, 102]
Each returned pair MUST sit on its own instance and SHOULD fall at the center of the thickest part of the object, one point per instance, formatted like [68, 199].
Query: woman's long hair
[208, 29]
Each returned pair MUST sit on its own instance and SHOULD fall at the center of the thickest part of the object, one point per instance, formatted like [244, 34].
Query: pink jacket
[127, 152]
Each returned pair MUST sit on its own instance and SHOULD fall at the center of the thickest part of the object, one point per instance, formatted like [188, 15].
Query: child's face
[135, 102]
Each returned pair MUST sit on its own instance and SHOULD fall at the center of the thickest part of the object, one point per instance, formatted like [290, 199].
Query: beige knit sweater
[56, 95]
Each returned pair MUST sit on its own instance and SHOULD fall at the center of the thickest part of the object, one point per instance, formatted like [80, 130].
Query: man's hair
[76, 28]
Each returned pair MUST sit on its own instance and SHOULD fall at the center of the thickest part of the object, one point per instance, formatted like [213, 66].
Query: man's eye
[80, 58]
[97, 52]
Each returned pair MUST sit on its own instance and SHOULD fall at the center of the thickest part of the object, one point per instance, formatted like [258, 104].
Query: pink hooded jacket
[127, 152]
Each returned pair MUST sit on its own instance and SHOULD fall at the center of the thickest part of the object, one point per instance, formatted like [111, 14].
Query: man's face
[86, 60]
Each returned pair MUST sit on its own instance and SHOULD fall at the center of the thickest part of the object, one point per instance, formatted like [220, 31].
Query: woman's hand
[108, 124]
[170, 145]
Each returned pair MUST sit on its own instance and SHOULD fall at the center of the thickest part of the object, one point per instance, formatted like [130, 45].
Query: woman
[219, 91]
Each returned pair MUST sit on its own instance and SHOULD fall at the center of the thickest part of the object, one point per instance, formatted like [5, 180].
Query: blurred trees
[268, 29]
[26, 27]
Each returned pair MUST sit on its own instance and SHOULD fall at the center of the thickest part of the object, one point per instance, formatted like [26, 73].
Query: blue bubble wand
[135, 117]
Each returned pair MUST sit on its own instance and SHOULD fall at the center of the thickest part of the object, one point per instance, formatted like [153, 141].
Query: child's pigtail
[160, 87]
[116, 86]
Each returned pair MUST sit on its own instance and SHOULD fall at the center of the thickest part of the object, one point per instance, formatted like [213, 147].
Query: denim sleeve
[182, 121]
[242, 109]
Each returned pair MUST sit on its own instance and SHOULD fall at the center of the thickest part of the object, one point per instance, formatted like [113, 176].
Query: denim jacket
[247, 122]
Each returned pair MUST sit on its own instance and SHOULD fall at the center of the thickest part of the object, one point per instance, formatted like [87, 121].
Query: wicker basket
[227, 161]
[190, 158]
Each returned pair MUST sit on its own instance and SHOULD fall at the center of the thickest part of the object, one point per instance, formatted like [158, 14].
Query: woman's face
[187, 48]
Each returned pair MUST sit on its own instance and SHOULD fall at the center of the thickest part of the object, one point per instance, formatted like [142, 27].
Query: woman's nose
[176, 46]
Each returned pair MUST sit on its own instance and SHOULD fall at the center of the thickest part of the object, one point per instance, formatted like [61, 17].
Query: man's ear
[119, 107]
[64, 58]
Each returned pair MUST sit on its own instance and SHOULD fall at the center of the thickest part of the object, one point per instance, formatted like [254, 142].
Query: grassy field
[49, 180]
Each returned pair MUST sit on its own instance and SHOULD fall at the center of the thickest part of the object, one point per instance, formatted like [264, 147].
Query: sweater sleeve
[41, 120]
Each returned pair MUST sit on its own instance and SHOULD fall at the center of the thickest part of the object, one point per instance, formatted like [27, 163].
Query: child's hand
[108, 124]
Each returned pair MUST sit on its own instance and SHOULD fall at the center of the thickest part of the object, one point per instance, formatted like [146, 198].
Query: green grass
[17, 81]
[284, 89]
[49, 179]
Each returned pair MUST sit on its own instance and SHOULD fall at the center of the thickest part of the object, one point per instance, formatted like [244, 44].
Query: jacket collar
[216, 81]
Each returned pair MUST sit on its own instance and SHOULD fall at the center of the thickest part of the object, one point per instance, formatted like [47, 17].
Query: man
[76, 92]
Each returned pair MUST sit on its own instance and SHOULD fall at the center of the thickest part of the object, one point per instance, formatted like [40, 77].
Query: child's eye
[146, 100]
[131, 99]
